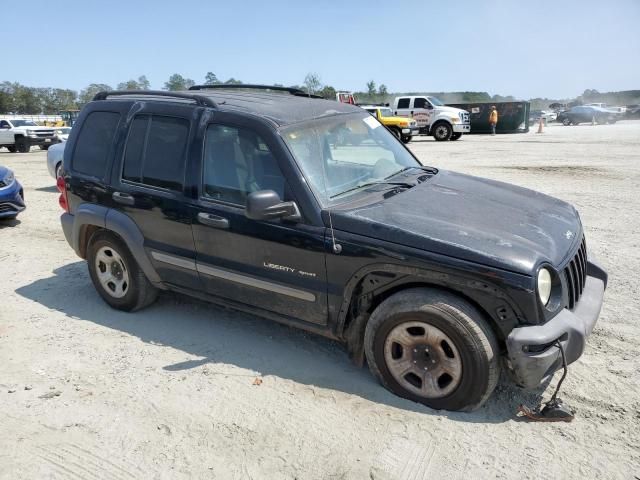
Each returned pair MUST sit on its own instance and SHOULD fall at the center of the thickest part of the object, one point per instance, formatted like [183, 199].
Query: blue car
[11, 195]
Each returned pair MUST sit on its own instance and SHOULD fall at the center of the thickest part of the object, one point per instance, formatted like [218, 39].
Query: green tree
[233, 81]
[88, 93]
[382, 90]
[371, 88]
[178, 82]
[328, 92]
[143, 83]
[312, 83]
[211, 79]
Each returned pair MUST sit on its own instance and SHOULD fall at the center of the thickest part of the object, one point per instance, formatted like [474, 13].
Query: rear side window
[403, 103]
[94, 143]
[155, 151]
[420, 102]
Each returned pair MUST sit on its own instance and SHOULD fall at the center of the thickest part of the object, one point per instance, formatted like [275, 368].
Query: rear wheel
[11, 148]
[116, 275]
[456, 136]
[442, 131]
[434, 348]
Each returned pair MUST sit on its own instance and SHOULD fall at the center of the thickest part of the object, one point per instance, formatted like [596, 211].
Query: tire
[396, 133]
[9, 217]
[566, 122]
[130, 289]
[442, 131]
[464, 344]
[406, 138]
[456, 136]
[11, 148]
[575, 122]
[44, 147]
[22, 146]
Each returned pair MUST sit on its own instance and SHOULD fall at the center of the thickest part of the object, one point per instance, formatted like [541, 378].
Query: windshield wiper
[369, 184]
[431, 170]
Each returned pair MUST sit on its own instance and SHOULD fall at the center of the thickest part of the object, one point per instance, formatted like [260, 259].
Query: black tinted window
[237, 162]
[155, 152]
[94, 143]
[403, 103]
[133, 154]
[420, 103]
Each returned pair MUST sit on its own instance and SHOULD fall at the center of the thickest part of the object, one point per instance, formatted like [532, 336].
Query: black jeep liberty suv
[311, 213]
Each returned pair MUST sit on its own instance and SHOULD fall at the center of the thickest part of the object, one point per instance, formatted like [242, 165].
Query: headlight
[455, 119]
[544, 285]
[8, 178]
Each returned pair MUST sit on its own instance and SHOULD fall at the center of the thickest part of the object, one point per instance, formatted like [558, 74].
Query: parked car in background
[11, 195]
[402, 127]
[54, 159]
[20, 135]
[434, 117]
[584, 114]
[62, 133]
[633, 111]
[546, 115]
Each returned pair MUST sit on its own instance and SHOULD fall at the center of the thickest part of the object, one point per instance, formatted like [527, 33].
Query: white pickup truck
[19, 135]
[433, 117]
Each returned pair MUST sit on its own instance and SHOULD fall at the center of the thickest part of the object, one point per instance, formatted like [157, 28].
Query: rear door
[276, 265]
[149, 186]
[6, 135]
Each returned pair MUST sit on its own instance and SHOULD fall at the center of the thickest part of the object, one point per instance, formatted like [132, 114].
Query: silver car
[54, 159]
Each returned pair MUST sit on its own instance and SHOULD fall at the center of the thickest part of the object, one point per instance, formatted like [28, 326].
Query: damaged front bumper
[532, 353]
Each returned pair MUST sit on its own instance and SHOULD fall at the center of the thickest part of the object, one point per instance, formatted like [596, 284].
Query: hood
[471, 218]
[453, 110]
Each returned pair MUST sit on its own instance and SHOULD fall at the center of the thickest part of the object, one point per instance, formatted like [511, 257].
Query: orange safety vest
[493, 117]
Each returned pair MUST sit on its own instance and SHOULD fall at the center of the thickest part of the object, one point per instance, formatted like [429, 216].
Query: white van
[433, 117]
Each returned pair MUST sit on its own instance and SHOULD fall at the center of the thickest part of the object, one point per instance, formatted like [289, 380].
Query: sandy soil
[87, 392]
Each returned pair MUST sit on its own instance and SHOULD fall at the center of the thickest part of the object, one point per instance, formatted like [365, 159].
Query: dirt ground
[87, 392]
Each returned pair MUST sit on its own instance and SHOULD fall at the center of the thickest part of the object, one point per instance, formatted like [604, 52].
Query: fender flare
[120, 224]
[407, 275]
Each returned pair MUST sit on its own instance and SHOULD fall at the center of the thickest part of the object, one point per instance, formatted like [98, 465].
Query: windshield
[23, 123]
[386, 112]
[341, 153]
[435, 102]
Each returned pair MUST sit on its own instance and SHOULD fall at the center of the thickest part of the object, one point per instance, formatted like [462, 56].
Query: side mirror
[429, 106]
[267, 205]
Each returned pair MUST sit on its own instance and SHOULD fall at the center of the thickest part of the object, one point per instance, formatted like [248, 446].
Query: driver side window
[4, 124]
[236, 163]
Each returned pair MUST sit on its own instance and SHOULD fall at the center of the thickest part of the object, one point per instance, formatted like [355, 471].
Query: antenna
[337, 248]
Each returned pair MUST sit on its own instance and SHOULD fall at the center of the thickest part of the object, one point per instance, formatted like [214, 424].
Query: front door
[277, 265]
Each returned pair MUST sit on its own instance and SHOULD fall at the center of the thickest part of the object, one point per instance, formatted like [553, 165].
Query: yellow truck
[402, 127]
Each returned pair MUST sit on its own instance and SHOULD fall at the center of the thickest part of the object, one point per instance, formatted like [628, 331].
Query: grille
[44, 133]
[5, 208]
[576, 275]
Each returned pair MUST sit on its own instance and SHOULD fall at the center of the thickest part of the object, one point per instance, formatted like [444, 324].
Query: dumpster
[513, 117]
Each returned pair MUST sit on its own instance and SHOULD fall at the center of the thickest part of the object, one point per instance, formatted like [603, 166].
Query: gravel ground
[170, 392]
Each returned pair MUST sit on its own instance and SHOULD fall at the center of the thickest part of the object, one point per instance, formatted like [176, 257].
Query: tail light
[62, 188]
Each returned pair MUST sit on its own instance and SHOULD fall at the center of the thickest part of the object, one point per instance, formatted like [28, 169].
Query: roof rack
[199, 99]
[247, 86]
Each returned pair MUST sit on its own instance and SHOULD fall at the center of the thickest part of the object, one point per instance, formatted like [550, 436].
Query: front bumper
[411, 131]
[11, 200]
[42, 140]
[462, 127]
[530, 365]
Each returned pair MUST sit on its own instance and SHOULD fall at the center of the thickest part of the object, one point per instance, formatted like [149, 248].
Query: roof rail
[247, 86]
[199, 99]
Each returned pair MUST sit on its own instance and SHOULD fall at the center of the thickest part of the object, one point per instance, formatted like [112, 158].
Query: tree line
[21, 99]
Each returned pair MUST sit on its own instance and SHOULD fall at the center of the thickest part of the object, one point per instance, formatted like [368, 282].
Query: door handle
[123, 198]
[213, 220]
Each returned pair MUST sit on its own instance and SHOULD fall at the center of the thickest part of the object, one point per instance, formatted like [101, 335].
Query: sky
[537, 48]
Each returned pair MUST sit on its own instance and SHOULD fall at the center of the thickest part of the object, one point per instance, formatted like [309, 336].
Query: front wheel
[116, 275]
[23, 146]
[442, 131]
[406, 138]
[11, 148]
[434, 348]
[456, 136]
